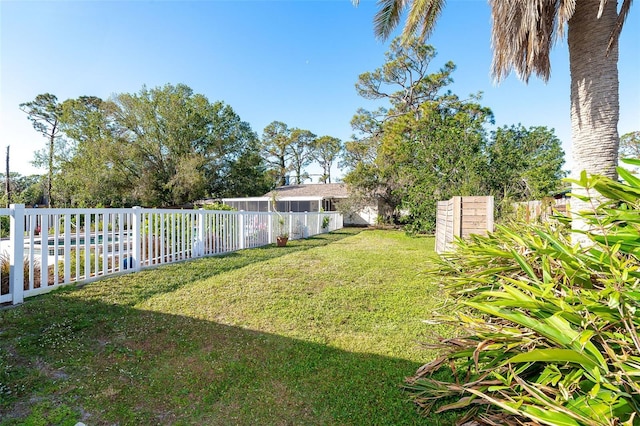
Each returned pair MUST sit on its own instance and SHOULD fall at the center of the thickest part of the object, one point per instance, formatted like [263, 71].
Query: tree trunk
[298, 175]
[283, 171]
[594, 95]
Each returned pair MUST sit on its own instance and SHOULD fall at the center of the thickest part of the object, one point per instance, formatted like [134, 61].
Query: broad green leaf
[548, 416]
[585, 336]
[523, 264]
[554, 355]
[523, 320]
[565, 328]
[631, 161]
[461, 403]
[628, 177]
[497, 388]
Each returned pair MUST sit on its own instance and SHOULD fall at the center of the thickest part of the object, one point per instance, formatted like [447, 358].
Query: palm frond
[422, 16]
[523, 33]
[565, 12]
[388, 17]
[617, 29]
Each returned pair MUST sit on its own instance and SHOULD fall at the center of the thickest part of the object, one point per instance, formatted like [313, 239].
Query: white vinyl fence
[43, 249]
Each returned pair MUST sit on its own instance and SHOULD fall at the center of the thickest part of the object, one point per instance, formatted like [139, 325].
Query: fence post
[44, 250]
[270, 228]
[136, 231]
[241, 230]
[16, 237]
[67, 247]
[290, 225]
[200, 234]
[457, 216]
[490, 212]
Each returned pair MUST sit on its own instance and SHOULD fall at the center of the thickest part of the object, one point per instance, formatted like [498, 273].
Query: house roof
[324, 190]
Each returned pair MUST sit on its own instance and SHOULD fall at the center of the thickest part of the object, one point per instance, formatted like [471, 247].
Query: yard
[321, 332]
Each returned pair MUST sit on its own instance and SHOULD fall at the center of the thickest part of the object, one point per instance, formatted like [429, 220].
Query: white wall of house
[365, 217]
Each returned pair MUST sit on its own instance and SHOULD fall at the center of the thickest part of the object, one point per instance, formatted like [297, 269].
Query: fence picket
[16, 260]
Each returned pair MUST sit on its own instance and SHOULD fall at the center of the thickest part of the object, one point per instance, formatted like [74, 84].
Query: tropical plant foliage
[550, 328]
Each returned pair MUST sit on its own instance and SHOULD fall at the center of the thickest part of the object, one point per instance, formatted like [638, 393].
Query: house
[306, 198]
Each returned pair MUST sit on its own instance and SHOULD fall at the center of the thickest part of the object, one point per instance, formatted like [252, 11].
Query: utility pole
[7, 181]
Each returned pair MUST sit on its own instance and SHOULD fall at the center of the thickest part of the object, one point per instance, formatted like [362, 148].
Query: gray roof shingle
[326, 190]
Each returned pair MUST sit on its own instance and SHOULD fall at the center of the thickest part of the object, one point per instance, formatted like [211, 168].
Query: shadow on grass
[65, 359]
[135, 288]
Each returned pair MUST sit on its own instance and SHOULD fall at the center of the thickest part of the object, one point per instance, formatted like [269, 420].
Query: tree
[301, 146]
[44, 113]
[438, 153]
[247, 176]
[286, 149]
[404, 79]
[161, 129]
[275, 149]
[183, 147]
[233, 166]
[326, 150]
[630, 145]
[160, 147]
[524, 164]
[382, 154]
[29, 190]
[522, 36]
[97, 170]
[7, 181]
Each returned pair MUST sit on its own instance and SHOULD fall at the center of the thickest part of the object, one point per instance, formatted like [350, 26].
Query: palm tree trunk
[594, 94]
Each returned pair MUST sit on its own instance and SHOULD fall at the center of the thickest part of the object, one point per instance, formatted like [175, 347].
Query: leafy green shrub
[4, 226]
[550, 328]
[216, 206]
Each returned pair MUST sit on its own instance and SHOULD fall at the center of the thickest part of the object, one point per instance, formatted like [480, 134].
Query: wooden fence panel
[541, 210]
[461, 217]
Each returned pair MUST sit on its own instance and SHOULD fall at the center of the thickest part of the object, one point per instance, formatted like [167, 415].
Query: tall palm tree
[524, 31]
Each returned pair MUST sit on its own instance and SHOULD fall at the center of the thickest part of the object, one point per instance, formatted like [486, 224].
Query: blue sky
[293, 61]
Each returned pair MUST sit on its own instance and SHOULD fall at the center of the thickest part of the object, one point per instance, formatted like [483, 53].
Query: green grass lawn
[321, 332]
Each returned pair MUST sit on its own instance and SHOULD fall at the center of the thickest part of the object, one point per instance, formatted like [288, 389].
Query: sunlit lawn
[321, 332]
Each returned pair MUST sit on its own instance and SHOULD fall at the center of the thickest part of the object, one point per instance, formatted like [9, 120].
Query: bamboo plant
[549, 328]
